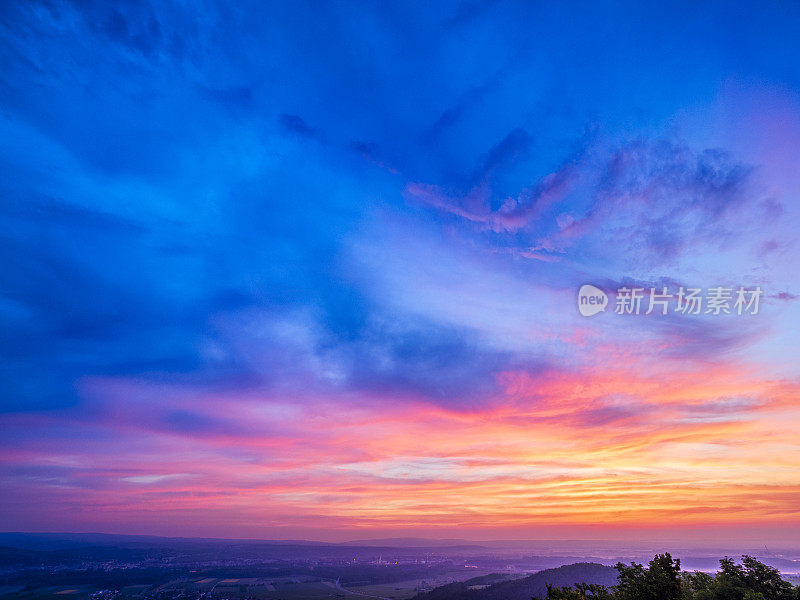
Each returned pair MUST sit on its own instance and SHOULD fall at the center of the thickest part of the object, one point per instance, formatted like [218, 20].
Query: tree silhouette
[662, 579]
[659, 581]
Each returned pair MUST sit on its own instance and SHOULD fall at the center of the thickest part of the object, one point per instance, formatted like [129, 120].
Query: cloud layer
[266, 275]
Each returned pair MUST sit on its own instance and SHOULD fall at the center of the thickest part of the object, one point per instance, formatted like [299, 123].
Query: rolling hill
[533, 586]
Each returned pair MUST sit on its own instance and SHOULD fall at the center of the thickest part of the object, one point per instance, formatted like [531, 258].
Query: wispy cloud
[260, 269]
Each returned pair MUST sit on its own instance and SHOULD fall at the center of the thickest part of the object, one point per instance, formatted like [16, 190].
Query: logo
[591, 300]
[715, 301]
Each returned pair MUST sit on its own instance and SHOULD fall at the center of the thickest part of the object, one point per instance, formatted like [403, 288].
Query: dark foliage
[662, 579]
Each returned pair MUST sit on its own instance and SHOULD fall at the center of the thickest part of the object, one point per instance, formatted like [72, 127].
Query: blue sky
[337, 207]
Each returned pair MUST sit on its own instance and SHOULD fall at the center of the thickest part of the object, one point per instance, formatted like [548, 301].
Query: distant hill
[63, 541]
[533, 586]
[58, 541]
[412, 542]
[23, 557]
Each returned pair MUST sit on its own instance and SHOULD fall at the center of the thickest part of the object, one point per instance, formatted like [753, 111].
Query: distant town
[53, 567]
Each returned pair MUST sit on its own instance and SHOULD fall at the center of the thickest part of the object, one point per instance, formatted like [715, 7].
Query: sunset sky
[310, 270]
